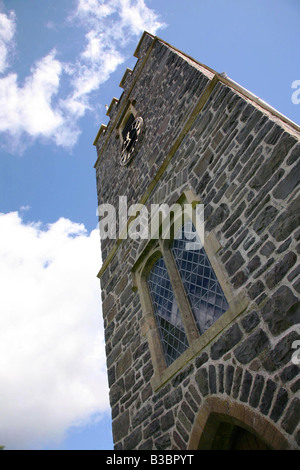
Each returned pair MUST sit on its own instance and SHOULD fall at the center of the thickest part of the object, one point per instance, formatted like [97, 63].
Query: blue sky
[60, 64]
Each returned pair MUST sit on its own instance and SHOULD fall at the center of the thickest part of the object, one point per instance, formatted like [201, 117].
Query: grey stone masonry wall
[203, 133]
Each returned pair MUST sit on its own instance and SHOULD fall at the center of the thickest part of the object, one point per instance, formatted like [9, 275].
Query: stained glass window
[173, 337]
[205, 294]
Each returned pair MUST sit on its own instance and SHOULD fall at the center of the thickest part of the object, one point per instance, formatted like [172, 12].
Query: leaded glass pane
[206, 297]
[167, 314]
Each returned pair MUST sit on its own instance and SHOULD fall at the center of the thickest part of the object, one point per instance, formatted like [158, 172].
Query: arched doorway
[228, 436]
[230, 425]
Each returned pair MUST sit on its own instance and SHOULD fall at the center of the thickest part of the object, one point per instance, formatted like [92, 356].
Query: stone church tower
[202, 337]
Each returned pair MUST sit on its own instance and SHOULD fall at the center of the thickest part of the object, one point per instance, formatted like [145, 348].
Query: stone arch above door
[215, 411]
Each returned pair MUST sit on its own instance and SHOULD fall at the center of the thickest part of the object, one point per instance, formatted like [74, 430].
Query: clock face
[130, 141]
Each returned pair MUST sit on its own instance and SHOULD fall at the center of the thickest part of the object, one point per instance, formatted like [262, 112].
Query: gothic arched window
[185, 295]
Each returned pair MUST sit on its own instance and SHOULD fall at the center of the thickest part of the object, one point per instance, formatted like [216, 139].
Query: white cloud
[52, 360]
[138, 17]
[41, 106]
[29, 108]
[130, 17]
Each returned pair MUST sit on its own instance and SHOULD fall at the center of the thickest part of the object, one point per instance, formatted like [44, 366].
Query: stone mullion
[186, 313]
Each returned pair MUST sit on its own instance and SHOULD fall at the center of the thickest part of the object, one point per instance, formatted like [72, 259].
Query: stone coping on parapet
[272, 112]
[114, 102]
[100, 132]
[126, 76]
[138, 47]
